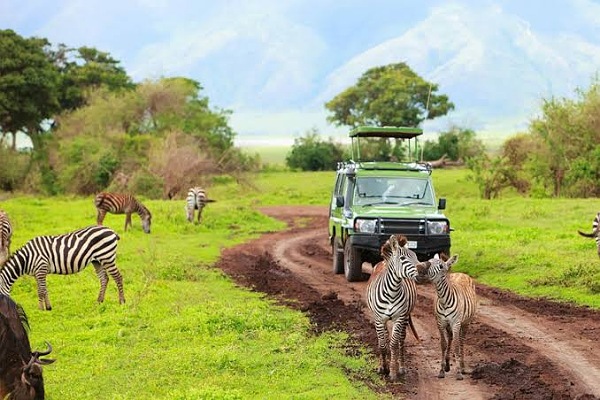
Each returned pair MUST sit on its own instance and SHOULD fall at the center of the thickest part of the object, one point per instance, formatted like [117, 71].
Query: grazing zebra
[391, 296]
[595, 232]
[196, 200]
[20, 368]
[116, 203]
[454, 310]
[5, 236]
[65, 254]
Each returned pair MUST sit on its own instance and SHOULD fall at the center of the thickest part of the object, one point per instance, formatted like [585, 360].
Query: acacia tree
[390, 95]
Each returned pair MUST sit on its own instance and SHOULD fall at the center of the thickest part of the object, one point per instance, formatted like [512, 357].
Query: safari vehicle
[372, 200]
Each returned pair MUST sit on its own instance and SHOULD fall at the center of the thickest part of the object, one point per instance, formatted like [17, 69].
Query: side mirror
[339, 201]
[442, 204]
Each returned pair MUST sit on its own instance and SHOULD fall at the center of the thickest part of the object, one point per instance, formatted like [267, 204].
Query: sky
[274, 63]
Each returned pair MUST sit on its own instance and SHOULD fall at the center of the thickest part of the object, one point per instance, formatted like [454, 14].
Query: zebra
[391, 295]
[196, 200]
[595, 232]
[5, 237]
[117, 203]
[64, 254]
[455, 308]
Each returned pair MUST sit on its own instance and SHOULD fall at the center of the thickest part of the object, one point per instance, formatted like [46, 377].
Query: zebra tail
[590, 235]
[412, 328]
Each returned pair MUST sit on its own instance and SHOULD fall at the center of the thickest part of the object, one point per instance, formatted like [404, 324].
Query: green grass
[188, 332]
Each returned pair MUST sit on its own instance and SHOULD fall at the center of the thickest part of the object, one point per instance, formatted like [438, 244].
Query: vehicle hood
[391, 211]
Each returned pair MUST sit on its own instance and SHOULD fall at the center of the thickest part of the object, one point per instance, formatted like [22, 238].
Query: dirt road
[517, 348]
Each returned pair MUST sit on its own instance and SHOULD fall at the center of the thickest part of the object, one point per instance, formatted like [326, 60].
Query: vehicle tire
[352, 263]
[337, 252]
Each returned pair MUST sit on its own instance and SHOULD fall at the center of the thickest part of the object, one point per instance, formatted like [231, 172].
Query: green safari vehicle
[372, 200]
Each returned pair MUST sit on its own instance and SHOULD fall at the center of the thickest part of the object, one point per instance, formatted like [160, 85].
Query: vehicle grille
[403, 226]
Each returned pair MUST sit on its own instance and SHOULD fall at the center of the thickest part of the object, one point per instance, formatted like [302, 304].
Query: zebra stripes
[65, 254]
[196, 200]
[454, 310]
[5, 237]
[391, 296]
[117, 203]
[595, 232]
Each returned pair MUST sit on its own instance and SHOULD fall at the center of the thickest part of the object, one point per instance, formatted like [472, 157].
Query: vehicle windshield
[403, 191]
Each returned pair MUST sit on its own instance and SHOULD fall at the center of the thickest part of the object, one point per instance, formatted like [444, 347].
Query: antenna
[428, 97]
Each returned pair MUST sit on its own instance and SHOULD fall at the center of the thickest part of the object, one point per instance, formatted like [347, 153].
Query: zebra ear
[451, 261]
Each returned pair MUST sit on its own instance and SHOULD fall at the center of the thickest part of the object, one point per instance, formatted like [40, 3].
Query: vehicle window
[393, 190]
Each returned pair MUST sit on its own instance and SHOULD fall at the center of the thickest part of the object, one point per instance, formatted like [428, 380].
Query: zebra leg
[397, 350]
[190, 214]
[100, 217]
[445, 363]
[127, 220]
[101, 273]
[382, 339]
[116, 275]
[460, 351]
[43, 299]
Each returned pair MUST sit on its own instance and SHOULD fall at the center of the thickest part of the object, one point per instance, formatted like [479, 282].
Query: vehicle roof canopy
[408, 134]
[397, 132]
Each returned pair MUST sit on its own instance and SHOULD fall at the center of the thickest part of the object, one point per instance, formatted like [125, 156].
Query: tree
[28, 85]
[391, 95]
[85, 69]
[456, 144]
[311, 153]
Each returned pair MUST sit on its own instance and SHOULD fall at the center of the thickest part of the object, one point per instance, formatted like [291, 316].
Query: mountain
[492, 64]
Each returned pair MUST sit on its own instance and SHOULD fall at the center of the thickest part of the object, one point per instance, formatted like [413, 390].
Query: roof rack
[387, 132]
[397, 132]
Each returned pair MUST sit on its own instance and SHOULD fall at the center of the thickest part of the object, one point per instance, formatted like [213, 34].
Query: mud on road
[517, 348]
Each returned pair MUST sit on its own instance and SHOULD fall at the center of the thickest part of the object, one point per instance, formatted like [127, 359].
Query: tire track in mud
[517, 348]
[422, 369]
[577, 359]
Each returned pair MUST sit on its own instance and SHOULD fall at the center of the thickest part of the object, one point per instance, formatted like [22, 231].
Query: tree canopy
[28, 84]
[390, 95]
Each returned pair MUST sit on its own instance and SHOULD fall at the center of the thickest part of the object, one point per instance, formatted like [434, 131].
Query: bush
[13, 168]
[310, 153]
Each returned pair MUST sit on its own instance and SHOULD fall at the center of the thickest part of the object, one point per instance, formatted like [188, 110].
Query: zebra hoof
[441, 374]
[459, 377]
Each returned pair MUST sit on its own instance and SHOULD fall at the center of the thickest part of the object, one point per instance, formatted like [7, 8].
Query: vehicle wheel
[352, 263]
[337, 252]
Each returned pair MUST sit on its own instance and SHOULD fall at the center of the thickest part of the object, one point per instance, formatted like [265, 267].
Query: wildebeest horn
[44, 353]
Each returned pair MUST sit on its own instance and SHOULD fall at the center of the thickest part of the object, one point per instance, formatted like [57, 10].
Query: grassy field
[187, 332]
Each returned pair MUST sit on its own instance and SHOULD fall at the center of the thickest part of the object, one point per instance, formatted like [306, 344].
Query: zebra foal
[196, 200]
[5, 237]
[455, 308]
[117, 203]
[595, 232]
[65, 254]
[391, 295]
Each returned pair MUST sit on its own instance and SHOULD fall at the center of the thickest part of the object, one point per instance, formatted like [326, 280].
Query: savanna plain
[187, 331]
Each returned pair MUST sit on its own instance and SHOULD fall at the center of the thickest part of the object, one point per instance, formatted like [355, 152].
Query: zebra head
[401, 260]
[435, 269]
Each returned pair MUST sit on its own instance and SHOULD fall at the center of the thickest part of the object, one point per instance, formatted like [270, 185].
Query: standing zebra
[595, 232]
[391, 296]
[196, 200]
[65, 254]
[116, 203]
[454, 310]
[5, 236]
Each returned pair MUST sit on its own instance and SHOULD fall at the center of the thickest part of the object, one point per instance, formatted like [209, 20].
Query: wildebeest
[20, 368]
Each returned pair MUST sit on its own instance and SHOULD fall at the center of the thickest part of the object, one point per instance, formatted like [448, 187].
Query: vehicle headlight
[437, 227]
[365, 225]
